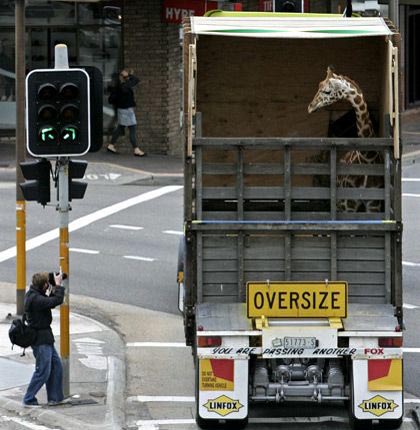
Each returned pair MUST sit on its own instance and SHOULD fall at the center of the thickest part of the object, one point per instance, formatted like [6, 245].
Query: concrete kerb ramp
[108, 415]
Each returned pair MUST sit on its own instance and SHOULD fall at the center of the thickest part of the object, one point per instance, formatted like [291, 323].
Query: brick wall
[151, 49]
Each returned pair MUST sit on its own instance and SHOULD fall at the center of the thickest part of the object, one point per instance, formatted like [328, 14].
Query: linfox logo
[223, 405]
[378, 406]
[374, 351]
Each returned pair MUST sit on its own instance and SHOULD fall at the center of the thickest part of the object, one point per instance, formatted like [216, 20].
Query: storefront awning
[290, 28]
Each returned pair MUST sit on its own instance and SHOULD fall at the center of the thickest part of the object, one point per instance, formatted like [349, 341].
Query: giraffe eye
[326, 92]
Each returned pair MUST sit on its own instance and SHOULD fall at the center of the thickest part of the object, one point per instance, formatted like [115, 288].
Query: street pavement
[109, 340]
[98, 351]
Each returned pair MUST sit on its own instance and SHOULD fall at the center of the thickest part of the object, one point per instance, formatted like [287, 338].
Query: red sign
[175, 10]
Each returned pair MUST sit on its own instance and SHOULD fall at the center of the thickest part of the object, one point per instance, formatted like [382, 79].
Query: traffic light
[288, 6]
[57, 112]
[38, 186]
[77, 169]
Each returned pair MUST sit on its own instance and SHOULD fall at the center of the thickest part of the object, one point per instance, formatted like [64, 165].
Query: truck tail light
[208, 341]
[390, 342]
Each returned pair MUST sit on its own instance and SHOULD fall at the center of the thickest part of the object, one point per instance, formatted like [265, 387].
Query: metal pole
[63, 208]
[20, 154]
[61, 62]
[393, 9]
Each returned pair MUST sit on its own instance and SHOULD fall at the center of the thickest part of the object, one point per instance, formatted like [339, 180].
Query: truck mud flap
[377, 393]
[221, 391]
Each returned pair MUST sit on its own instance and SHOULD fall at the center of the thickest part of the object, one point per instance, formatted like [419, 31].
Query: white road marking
[408, 306]
[413, 350]
[89, 340]
[92, 349]
[136, 257]
[410, 264]
[177, 233]
[157, 344]
[191, 399]
[410, 195]
[7, 185]
[84, 251]
[154, 424]
[410, 179]
[145, 399]
[26, 423]
[84, 221]
[126, 227]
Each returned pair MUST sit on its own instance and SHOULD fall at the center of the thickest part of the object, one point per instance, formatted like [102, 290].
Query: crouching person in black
[39, 300]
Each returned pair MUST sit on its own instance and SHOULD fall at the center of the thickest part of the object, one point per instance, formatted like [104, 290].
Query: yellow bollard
[20, 255]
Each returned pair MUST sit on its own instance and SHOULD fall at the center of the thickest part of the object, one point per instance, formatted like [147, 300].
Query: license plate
[297, 299]
[300, 342]
[295, 342]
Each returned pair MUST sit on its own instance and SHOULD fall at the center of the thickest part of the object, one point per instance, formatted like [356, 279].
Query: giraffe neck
[363, 122]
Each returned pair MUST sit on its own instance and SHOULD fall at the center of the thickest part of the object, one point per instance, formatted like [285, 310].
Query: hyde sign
[175, 10]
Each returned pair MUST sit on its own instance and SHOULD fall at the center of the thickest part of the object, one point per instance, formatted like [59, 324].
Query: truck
[290, 282]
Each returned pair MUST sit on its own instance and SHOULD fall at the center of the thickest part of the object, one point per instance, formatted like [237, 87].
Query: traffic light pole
[61, 62]
[63, 208]
[20, 155]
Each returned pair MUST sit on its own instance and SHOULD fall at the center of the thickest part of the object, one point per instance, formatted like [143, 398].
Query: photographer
[44, 294]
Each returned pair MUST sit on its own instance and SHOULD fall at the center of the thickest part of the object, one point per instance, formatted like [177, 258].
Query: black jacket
[38, 312]
[122, 97]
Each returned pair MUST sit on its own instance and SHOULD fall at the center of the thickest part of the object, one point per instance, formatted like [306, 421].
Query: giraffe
[332, 89]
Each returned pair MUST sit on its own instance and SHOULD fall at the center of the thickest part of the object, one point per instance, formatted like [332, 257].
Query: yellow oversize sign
[297, 299]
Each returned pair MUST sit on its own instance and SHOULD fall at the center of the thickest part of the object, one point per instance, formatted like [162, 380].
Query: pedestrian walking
[44, 294]
[122, 97]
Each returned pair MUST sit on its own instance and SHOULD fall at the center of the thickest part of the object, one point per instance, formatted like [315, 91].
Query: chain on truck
[289, 271]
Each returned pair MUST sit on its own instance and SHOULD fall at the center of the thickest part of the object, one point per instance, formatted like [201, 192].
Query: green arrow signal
[69, 132]
[46, 133]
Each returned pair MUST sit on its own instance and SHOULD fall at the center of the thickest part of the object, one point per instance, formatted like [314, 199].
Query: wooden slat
[371, 241]
[314, 193]
[371, 255]
[199, 183]
[200, 263]
[367, 278]
[297, 169]
[296, 142]
[220, 299]
[297, 216]
[359, 266]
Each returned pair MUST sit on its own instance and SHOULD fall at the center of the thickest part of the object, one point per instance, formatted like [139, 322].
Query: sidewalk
[97, 373]
[151, 166]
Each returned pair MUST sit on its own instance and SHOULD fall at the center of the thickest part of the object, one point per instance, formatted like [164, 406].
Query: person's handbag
[21, 334]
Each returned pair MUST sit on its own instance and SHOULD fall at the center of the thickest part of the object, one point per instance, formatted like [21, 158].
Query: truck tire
[206, 424]
[391, 424]
[236, 424]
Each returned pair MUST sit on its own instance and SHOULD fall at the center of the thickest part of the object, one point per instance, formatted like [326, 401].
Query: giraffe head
[332, 89]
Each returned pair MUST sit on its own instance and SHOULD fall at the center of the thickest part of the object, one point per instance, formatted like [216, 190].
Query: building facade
[145, 36]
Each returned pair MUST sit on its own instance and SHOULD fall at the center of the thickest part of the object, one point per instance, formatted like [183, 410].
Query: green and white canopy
[290, 28]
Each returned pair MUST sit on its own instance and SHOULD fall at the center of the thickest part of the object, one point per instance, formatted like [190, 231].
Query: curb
[51, 418]
[114, 418]
[115, 415]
